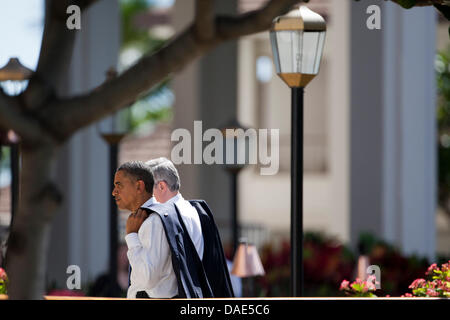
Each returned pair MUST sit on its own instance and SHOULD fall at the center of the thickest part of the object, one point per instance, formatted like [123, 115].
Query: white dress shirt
[150, 256]
[191, 221]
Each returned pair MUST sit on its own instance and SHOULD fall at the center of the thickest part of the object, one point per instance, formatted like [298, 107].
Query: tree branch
[444, 10]
[66, 116]
[56, 51]
[12, 117]
[204, 19]
[229, 27]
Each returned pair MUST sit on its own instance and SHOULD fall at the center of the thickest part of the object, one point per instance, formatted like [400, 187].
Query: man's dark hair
[140, 171]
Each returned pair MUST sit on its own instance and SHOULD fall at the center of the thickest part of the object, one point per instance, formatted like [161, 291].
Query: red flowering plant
[360, 288]
[437, 283]
[276, 262]
[65, 293]
[325, 261]
[3, 281]
[397, 270]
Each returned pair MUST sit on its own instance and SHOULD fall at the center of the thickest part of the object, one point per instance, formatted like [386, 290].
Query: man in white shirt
[148, 249]
[146, 241]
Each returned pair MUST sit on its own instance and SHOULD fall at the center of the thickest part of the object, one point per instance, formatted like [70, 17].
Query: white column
[393, 127]
[338, 38]
[365, 123]
[409, 129]
[186, 108]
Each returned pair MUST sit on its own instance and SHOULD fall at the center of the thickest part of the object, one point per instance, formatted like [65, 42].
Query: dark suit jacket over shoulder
[207, 278]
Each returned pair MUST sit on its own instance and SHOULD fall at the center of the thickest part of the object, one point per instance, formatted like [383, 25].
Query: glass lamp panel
[289, 51]
[276, 58]
[296, 51]
[313, 43]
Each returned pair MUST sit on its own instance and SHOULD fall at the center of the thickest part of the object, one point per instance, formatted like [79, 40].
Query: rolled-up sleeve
[132, 240]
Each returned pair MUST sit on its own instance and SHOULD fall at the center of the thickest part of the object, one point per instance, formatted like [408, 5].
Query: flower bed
[437, 283]
[3, 282]
[327, 262]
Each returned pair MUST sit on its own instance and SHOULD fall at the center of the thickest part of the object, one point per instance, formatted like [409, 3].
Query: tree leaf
[407, 4]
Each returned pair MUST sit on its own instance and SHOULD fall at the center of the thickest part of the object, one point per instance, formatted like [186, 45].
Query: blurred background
[376, 150]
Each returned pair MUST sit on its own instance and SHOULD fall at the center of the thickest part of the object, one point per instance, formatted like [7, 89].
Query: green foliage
[3, 282]
[149, 107]
[4, 156]
[2, 287]
[360, 288]
[132, 35]
[368, 242]
[153, 107]
[442, 66]
[407, 4]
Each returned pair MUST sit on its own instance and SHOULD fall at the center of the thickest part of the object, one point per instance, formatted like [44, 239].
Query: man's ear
[141, 186]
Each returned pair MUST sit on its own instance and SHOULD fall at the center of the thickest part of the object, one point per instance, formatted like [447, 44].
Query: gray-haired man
[166, 189]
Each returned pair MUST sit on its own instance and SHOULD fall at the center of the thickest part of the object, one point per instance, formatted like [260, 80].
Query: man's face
[161, 192]
[158, 191]
[125, 191]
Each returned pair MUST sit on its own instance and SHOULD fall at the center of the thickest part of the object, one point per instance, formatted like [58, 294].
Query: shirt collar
[175, 198]
[149, 202]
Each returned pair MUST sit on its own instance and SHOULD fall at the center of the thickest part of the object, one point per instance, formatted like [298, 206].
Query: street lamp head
[14, 77]
[297, 44]
[15, 71]
[115, 127]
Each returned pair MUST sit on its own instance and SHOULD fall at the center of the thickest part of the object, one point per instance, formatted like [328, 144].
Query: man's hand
[135, 221]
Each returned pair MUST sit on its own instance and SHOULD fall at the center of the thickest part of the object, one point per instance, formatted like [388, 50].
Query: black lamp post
[13, 79]
[113, 130]
[297, 43]
[113, 140]
[234, 166]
